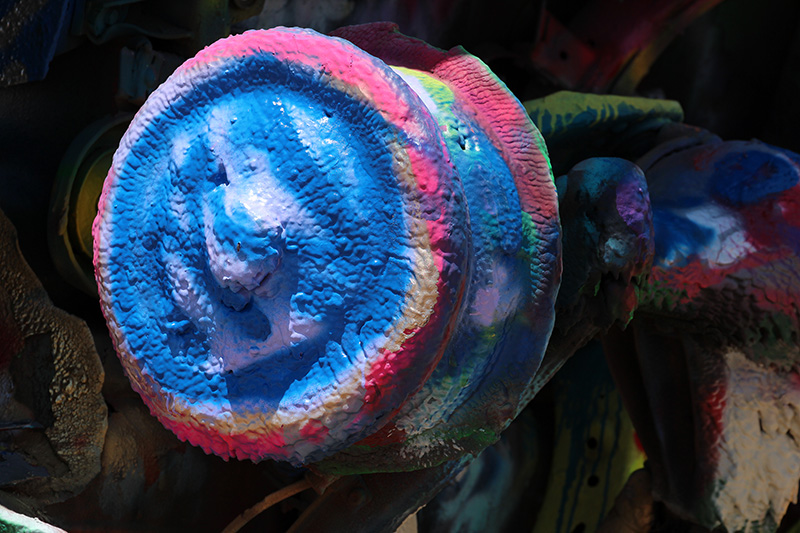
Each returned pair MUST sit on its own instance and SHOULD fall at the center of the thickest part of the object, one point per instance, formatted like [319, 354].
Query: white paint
[409, 525]
[730, 241]
[759, 465]
[416, 86]
[499, 299]
[21, 522]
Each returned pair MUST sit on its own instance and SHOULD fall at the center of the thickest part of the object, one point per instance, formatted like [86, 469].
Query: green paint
[662, 296]
[529, 250]
[578, 126]
[564, 111]
[12, 522]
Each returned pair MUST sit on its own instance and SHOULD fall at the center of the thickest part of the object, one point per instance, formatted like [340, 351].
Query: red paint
[314, 431]
[391, 366]
[638, 443]
[710, 394]
[387, 435]
[695, 276]
[703, 158]
[774, 221]
[12, 342]
[428, 170]
[152, 470]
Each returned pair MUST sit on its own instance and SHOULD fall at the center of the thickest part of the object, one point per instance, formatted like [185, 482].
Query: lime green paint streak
[530, 241]
[438, 91]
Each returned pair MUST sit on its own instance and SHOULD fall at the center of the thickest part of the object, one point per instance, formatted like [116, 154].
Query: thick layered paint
[717, 329]
[500, 286]
[578, 126]
[504, 120]
[565, 113]
[608, 240]
[317, 255]
[759, 457]
[53, 416]
[281, 246]
[484, 378]
[727, 214]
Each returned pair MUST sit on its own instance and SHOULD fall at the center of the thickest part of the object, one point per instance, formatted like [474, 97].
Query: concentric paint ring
[281, 246]
[487, 373]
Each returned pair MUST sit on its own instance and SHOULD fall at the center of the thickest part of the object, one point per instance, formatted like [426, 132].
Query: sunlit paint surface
[500, 286]
[759, 457]
[308, 254]
[484, 378]
[281, 246]
[578, 126]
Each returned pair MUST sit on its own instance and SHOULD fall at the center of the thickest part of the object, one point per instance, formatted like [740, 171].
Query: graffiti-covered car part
[708, 368]
[307, 246]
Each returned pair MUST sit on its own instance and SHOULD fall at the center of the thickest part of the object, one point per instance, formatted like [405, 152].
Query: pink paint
[391, 366]
[496, 109]
[426, 177]
[314, 432]
[503, 119]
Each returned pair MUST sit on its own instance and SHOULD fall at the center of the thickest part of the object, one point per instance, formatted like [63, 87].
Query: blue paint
[584, 388]
[672, 187]
[341, 268]
[35, 31]
[717, 182]
[483, 348]
[481, 497]
[607, 227]
[679, 239]
[744, 177]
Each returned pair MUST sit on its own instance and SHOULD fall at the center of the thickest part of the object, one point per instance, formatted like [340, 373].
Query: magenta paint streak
[429, 165]
[314, 432]
[497, 110]
[505, 123]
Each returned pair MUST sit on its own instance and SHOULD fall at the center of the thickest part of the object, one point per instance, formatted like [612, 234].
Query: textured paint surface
[565, 113]
[281, 246]
[499, 283]
[484, 378]
[759, 457]
[608, 239]
[31, 34]
[306, 254]
[727, 220]
[578, 126]
[53, 417]
[719, 326]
